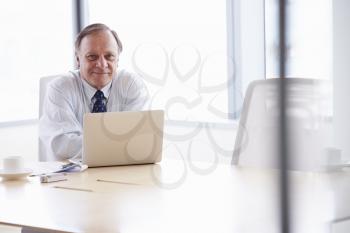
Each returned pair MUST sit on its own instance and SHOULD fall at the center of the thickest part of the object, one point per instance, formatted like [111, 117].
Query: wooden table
[175, 196]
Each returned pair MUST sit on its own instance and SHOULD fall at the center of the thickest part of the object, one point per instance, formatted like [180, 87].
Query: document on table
[57, 167]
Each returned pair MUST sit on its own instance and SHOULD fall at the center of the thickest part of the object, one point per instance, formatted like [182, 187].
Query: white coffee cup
[13, 164]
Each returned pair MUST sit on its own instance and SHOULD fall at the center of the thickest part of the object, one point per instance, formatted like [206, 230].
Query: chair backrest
[308, 113]
[44, 81]
[43, 84]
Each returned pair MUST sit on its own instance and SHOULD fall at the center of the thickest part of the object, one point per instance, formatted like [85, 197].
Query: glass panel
[314, 162]
[34, 43]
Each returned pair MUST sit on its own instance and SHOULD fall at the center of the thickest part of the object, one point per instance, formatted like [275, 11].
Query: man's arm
[60, 132]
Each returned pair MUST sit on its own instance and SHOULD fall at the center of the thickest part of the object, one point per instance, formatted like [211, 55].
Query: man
[96, 86]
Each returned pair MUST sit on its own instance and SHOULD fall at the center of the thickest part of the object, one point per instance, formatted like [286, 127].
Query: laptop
[122, 138]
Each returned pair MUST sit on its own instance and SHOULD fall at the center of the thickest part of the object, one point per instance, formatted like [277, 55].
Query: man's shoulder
[65, 80]
[126, 77]
[126, 74]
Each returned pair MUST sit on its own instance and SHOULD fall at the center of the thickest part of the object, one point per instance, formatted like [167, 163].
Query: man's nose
[102, 62]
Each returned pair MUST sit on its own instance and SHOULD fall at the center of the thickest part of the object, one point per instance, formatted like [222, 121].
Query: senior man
[97, 86]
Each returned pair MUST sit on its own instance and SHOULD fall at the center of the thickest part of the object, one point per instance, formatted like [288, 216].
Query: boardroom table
[176, 196]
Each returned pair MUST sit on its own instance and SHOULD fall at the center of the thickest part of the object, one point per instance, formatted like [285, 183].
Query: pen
[54, 177]
[116, 182]
[76, 189]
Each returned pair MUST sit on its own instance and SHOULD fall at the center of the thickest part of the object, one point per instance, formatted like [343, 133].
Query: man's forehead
[99, 40]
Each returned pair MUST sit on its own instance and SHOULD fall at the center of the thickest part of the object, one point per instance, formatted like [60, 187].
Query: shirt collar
[90, 91]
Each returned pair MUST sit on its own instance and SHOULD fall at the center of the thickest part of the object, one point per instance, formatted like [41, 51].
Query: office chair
[43, 84]
[308, 114]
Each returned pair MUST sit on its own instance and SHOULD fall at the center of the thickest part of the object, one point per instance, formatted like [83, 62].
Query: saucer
[8, 175]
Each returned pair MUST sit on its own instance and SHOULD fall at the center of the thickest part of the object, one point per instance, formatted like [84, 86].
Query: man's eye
[110, 57]
[91, 57]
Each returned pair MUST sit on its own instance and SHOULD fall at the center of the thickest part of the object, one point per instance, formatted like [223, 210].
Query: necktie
[99, 105]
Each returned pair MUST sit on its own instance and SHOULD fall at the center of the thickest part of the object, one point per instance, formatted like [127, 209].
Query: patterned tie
[99, 105]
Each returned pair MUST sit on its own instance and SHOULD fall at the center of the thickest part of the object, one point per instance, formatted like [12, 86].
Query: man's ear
[77, 60]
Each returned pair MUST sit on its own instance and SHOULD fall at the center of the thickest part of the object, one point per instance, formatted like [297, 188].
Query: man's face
[97, 58]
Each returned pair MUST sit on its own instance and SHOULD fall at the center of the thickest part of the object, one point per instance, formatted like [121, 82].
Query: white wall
[341, 75]
[249, 36]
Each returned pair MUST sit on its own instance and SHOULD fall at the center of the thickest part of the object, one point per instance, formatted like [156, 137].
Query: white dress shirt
[69, 97]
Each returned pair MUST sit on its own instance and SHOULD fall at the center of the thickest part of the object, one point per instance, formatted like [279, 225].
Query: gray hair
[93, 28]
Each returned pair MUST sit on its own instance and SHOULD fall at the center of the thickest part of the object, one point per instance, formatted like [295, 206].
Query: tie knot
[99, 95]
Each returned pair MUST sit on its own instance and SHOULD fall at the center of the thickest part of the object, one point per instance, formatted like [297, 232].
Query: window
[36, 41]
[178, 47]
